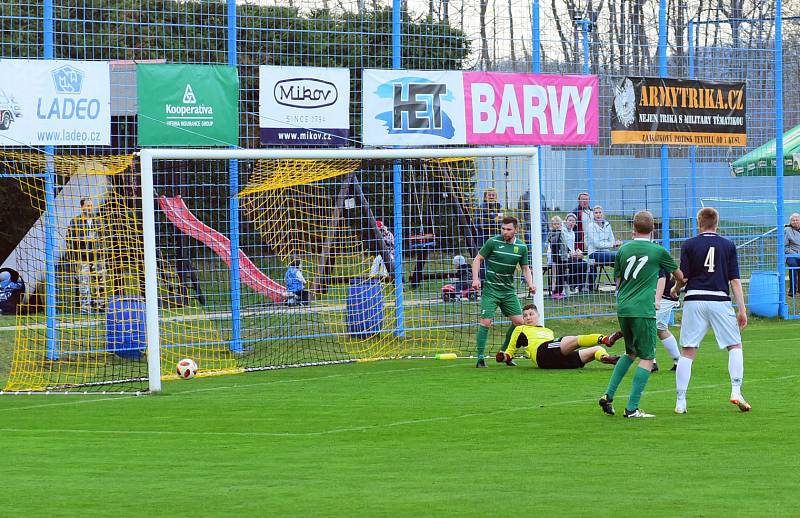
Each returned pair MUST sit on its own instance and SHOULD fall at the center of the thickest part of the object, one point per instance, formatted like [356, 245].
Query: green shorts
[507, 301]
[640, 335]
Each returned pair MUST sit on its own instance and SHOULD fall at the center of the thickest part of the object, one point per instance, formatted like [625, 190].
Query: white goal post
[148, 156]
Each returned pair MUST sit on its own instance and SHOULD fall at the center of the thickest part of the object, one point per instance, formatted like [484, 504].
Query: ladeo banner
[653, 110]
[54, 102]
[188, 105]
[302, 106]
[421, 108]
[530, 109]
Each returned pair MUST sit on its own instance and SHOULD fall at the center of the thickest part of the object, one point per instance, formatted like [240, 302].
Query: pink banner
[530, 109]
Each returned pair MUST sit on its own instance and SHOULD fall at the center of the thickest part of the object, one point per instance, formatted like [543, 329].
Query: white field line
[348, 429]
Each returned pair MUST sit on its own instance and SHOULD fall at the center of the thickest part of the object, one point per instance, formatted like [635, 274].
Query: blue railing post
[663, 72]
[783, 310]
[585, 25]
[51, 309]
[233, 186]
[397, 180]
[693, 149]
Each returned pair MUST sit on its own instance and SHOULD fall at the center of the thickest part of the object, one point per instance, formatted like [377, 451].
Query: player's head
[509, 228]
[583, 200]
[794, 220]
[555, 223]
[530, 315]
[707, 219]
[643, 223]
[570, 221]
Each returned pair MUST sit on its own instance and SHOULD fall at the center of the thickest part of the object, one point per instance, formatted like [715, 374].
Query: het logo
[305, 93]
[417, 107]
[67, 80]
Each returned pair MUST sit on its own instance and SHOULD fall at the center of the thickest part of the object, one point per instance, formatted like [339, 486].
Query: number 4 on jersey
[709, 262]
[631, 260]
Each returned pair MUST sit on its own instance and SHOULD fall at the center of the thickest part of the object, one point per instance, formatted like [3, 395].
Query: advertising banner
[188, 105]
[304, 106]
[424, 108]
[54, 102]
[684, 112]
[530, 109]
[412, 108]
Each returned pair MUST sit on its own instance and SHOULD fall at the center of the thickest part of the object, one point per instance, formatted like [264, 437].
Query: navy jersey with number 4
[709, 261]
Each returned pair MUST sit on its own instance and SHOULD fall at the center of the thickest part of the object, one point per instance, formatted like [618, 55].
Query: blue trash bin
[126, 334]
[764, 294]
[364, 307]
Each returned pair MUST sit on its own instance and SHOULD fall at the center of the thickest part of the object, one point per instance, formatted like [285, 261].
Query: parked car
[10, 110]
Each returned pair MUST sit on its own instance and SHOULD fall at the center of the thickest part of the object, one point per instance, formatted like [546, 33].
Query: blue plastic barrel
[126, 335]
[764, 294]
[364, 307]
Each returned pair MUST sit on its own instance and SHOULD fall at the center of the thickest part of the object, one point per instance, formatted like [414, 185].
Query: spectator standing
[583, 217]
[791, 241]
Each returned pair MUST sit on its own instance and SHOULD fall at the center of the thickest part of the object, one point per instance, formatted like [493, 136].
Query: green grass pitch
[416, 438]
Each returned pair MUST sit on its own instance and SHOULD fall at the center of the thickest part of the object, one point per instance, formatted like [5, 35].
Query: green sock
[507, 339]
[483, 334]
[640, 378]
[620, 370]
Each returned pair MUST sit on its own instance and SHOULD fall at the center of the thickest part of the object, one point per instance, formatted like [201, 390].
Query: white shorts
[698, 314]
[664, 313]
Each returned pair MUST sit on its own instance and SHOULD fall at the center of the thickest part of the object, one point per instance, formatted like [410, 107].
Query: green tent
[761, 160]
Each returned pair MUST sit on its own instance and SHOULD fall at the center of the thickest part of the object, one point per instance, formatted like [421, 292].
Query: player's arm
[741, 310]
[662, 281]
[526, 273]
[680, 282]
[476, 271]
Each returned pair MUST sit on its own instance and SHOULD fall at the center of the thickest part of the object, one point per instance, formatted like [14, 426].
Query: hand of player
[476, 284]
[741, 317]
[658, 304]
[532, 289]
[674, 292]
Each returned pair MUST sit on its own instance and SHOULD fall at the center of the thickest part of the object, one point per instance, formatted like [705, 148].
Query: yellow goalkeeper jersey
[531, 337]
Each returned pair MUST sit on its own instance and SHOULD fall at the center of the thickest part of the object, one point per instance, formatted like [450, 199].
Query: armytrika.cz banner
[651, 110]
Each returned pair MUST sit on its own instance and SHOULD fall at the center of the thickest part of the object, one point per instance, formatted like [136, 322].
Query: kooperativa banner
[54, 102]
[682, 112]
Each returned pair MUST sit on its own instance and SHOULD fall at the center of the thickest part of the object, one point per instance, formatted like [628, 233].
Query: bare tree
[484, 40]
[511, 35]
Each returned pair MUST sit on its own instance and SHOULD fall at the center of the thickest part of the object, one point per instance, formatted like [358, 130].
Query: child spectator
[296, 283]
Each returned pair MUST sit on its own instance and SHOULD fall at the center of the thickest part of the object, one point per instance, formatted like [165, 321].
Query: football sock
[671, 345]
[736, 370]
[682, 376]
[507, 339]
[600, 353]
[483, 334]
[640, 378]
[620, 369]
[589, 340]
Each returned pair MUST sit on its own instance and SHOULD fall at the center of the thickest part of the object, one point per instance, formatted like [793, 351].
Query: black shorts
[548, 356]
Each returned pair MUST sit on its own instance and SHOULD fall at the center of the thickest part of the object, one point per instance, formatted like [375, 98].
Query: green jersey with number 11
[636, 267]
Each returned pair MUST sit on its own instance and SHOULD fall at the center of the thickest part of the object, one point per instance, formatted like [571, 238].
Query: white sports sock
[736, 370]
[671, 345]
[682, 376]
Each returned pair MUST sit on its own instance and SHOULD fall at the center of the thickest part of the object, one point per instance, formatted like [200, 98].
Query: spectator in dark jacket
[583, 215]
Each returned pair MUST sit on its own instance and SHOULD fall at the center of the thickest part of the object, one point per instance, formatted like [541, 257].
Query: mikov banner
[652, 110]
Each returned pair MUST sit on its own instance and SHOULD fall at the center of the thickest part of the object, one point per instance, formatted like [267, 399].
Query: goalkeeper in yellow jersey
[548, 352]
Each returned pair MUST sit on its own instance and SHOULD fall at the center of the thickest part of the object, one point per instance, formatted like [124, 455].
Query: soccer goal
[265, 259]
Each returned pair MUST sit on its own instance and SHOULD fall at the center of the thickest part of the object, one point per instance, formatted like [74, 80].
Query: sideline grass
[409, 438]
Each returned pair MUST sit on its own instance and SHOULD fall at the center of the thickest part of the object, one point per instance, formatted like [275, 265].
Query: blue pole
[233, 186]
[783, 309]
[693, 149]
[589, 149]
[662, 71]
[536, 68]
[51, 310]
[397, 181]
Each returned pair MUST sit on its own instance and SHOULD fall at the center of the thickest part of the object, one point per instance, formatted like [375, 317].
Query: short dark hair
[707, 217]
[531, 306]
[511, 219]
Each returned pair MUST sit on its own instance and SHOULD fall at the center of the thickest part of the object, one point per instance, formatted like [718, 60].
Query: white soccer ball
[186, 368]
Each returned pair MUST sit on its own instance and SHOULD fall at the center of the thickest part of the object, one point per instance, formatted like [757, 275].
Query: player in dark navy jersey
[710, 264]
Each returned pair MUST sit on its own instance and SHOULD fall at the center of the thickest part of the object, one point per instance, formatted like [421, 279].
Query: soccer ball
[186, 368]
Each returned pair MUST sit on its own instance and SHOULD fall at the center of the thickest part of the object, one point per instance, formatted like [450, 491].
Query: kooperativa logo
[67, 80]
[305, 93]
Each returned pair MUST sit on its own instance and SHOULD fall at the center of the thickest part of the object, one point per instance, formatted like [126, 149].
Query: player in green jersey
[636, 269]
[502, 255]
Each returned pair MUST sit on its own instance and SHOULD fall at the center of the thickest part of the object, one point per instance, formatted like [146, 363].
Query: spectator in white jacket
[791, 240]
[601, 244]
